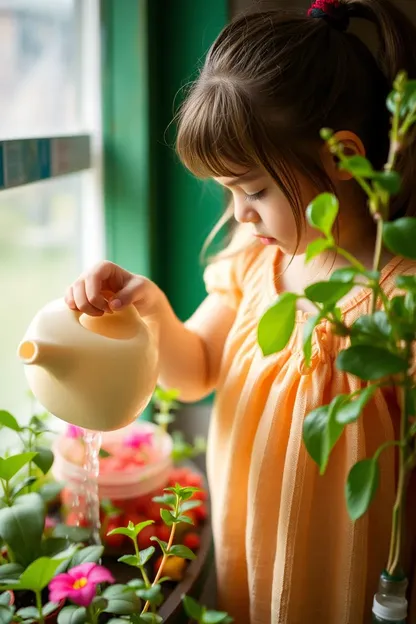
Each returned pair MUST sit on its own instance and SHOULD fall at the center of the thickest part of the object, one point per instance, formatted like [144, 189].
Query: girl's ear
[353, 146]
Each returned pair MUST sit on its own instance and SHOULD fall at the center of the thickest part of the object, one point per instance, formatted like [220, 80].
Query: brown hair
[273, 79]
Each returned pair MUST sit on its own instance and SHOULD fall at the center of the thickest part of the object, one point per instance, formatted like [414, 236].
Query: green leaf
[371, 329]
[11, 465]
[316, 247]
[142, 525]
[43, 459]
[408, 99]
[52, 546]
[73, 533]
[103, 454]
[178, 550]
[9, 421]
[327, 293]
[5, 598]
[186, 519]
[163, 545]
[192, 608]
[400, 235]
[146, 554]
[6, 614]
[152, 594]
[321, 432]
[90, 554]
[167, 517]
[38, 575]
[361, 487]
[188, 505]
[120, 601]
[123, 531]
[131, 560]
[346, 274]
[164, 419]
[358, 166]
[166, 396]
[37, 425]
[49, 608]
[99, 603]
[72, 615]
[28, 612]
[350, 410]
[322, 212]
[150, 618]
[277, 324]
[21, 527]
[216, 617]
[308, 330]
[167, 499]
[21, 485]
[49, 491]
[389, 181]
[10, 571]
[370, 363]
[406, 282]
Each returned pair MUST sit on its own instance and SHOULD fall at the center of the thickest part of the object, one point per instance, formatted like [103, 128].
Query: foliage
[381, 344]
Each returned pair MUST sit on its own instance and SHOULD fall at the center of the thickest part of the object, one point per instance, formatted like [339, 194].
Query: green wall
[186, 208]
[157, 214]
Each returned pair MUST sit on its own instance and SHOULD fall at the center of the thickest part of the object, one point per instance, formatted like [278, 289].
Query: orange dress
[286, 550]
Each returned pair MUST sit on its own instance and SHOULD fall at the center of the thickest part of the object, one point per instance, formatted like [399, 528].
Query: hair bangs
[213, 137]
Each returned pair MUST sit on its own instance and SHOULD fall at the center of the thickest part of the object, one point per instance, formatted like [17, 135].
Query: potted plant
[381, 343]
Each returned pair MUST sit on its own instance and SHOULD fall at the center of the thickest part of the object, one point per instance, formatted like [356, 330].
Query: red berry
[163, 532]
[152, 511]
[201, 495]
[201, 513]
[113, 541]
[192, 541]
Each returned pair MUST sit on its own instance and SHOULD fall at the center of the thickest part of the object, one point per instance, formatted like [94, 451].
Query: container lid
[390, 608]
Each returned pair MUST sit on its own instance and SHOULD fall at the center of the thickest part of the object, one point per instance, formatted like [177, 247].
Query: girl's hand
[86, 293]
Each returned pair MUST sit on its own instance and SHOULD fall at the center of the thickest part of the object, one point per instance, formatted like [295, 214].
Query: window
[50, 229]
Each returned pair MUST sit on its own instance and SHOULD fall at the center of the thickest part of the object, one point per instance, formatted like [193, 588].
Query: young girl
[286, 551]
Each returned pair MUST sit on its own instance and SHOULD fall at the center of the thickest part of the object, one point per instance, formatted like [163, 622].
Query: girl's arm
[190, 354]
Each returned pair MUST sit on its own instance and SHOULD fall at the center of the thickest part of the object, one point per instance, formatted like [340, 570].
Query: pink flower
[138, 439]
[79, 584]
[72, 431]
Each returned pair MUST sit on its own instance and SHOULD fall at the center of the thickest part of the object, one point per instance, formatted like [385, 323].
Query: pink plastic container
[139, 464]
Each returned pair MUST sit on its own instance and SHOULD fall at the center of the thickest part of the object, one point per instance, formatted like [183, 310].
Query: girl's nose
[244, 213]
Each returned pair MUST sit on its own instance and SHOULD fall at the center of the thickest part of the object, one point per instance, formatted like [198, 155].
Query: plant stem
[397, 519]
[39, 607]
[92, 615]
[353, 261]
[166, 553]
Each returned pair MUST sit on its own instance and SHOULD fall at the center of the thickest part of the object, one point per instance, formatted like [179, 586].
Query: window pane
[39, 72]
[40, 254]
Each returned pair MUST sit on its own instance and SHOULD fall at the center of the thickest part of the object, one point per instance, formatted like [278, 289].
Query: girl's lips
[266, 240]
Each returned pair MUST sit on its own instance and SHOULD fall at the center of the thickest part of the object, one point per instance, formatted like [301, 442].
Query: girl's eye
[254, 196]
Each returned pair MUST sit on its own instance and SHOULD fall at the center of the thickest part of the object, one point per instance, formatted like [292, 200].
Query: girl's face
[259, 202]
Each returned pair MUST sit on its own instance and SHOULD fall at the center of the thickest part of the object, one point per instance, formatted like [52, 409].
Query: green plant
[382, 343]
[166, 403]
[35, 579]
[202, 615]
[176, 502]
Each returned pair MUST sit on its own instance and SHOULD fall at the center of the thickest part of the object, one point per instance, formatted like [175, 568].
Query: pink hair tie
[334, 12]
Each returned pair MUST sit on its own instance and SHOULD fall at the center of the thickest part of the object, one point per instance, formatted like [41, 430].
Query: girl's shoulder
[238, 265]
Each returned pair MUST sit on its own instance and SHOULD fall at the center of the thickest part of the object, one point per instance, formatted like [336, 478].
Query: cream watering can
[95, 372]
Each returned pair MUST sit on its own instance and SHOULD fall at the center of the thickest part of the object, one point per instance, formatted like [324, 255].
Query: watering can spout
[36, 352]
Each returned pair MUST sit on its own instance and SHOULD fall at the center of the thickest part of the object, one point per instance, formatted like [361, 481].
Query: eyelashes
[254, 196]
